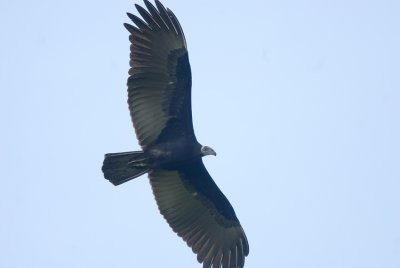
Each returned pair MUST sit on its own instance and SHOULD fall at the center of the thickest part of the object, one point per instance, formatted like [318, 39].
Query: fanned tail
[122, 167]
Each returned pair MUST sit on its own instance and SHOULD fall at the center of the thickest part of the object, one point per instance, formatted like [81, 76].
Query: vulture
[159, 100]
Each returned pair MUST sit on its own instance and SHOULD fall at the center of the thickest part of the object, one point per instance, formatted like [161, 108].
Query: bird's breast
[170, 155]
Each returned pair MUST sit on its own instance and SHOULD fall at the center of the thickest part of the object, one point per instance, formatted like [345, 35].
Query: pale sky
[300, 99]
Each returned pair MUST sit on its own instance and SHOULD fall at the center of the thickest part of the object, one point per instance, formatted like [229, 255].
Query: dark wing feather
[199, 212]
[159, 86]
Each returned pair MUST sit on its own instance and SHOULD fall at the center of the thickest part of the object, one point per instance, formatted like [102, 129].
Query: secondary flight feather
[159, 99]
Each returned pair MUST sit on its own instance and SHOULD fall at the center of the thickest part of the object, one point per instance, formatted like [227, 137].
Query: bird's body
[159, 98]
[173, 154]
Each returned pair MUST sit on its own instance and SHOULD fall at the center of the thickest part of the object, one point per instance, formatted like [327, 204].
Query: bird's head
[206, 150]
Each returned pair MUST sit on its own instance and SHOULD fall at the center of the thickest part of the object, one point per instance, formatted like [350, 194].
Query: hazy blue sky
[300, 99]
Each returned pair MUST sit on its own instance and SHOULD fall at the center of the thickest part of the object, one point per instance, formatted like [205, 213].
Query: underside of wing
[159, 86]
[198, 212]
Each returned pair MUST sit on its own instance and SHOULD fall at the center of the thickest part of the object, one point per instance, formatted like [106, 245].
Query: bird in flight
[159, 99]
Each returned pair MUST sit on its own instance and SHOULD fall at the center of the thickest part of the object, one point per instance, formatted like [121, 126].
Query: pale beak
[212, 152]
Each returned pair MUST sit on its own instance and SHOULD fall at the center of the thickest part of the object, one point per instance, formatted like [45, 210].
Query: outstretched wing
[159, 86]
[199, 212]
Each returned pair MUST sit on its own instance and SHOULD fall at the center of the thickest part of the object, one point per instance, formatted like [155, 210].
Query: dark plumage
[159, 98]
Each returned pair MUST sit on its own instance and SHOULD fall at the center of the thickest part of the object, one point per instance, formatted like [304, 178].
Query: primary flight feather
[159, 98]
